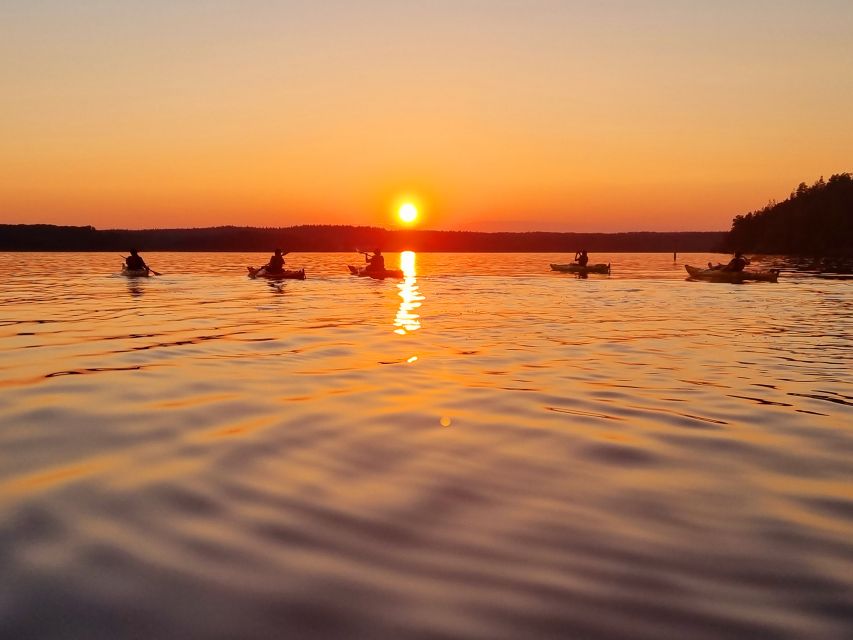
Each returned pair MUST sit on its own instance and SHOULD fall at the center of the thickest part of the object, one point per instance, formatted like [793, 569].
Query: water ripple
[461, 454]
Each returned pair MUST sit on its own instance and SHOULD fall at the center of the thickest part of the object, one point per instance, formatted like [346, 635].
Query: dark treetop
[814, 220]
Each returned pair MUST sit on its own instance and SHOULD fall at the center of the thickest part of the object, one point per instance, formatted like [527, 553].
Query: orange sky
[552, 115]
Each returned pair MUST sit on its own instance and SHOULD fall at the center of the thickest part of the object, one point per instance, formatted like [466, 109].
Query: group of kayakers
[375, 262]
[738, 263]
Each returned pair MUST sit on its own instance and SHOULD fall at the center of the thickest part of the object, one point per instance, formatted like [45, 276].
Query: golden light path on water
[407, 318]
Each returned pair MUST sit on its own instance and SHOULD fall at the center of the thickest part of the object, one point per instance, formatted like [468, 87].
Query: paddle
[365, 254]
[150, 270]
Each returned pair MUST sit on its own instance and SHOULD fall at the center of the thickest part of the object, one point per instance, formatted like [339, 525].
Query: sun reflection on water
[407, 318]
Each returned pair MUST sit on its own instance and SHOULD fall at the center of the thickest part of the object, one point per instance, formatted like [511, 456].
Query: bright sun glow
[408, 213]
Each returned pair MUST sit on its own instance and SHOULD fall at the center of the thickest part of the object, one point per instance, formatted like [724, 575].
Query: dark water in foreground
[483, 450]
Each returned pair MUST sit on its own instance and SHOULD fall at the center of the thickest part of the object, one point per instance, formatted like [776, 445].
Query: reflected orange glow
[240, 428]
[407, 319]
[53, 477]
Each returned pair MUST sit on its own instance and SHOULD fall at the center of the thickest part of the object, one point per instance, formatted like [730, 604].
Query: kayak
[379, 275]
[718, 275]
[135, 273]
[282, 275]
[574, 267]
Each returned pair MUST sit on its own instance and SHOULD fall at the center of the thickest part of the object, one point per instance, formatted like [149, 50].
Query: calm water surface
[483, 450]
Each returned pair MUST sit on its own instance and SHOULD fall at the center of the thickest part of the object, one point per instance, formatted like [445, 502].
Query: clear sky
[490, 114]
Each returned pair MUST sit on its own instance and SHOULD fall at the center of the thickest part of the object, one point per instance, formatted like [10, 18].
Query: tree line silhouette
[814, 220]
[42, 237]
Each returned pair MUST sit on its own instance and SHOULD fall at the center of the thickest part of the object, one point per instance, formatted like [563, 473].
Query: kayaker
[276, 263]
[738, 263]
[375, 262]
[134, 262]
[582, 258]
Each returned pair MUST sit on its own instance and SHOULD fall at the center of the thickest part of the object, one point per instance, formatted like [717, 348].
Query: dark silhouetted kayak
[135, 273]
[379, 275]
[278, 275]
[718, 275]
[574, 267]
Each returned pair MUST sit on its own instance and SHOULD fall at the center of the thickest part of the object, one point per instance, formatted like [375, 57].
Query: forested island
[815, 220]
[42, 237]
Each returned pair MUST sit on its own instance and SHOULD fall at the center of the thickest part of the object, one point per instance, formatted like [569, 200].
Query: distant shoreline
[337, 238]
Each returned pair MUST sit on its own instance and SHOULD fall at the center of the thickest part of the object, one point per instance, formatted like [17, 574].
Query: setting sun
[408, 213]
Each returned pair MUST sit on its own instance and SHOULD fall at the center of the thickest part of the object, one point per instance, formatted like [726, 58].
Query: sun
[408, 213]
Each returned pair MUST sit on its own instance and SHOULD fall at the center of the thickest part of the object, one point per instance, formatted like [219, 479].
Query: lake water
[486, 449]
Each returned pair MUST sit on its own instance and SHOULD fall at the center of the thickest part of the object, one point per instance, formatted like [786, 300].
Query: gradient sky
[493, 115]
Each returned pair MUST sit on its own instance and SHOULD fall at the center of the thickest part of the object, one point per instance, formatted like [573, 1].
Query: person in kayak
[738, 263]
[134, 262]
[276, 263]
[582, 258]
[735, 264]
[375, 262]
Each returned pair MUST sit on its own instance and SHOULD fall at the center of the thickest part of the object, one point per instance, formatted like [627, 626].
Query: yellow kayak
[574, 267]
[718, 275]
